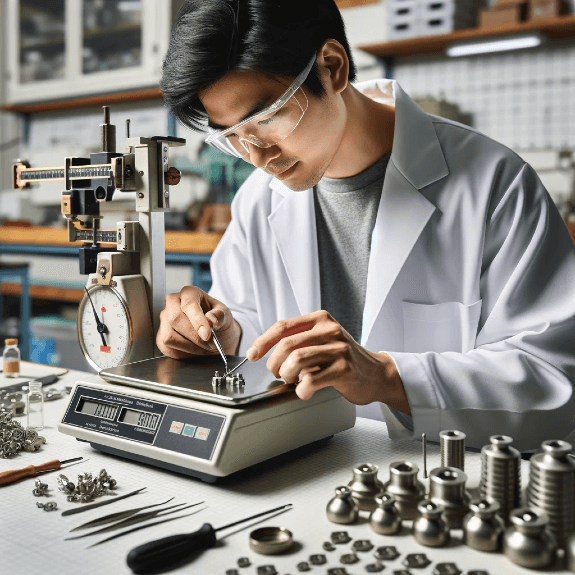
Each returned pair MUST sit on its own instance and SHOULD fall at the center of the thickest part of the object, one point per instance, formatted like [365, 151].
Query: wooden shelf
[86, 102]
[176, 241]
[561, 27]
[52, 293]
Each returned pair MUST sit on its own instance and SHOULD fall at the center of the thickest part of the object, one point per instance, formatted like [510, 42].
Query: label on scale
[171, 427]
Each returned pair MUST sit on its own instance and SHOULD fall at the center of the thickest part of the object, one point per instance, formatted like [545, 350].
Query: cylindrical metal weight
[452, 445]
[405, 487]
[501, 475]
[528, 542]
[385, 518]
[365, 485]
[429, 527]
[342, 508]
[551, 488]
[447, 488]
[482, 527]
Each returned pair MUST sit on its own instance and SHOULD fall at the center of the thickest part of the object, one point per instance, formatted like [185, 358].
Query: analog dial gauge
[104, 327]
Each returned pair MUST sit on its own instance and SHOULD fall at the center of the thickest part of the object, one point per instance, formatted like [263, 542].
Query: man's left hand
[315, 351]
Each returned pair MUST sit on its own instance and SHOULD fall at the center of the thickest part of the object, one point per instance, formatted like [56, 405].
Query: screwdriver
[170, 551]
[16, 474]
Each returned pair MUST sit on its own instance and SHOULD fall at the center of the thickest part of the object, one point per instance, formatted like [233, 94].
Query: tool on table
[163, 412]
[424, 445]
[100, 503]
[15, 387]
[16, 474]
[170, 551]
[111, 517]
[220, 349]
[137, 519]
[117, 535]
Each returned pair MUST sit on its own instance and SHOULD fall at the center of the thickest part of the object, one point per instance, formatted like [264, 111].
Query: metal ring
[271, 540]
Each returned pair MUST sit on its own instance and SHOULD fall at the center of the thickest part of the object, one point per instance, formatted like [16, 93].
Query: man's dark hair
[213, 37]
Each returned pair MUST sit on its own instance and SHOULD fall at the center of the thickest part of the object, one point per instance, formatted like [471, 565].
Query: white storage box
[402, 30]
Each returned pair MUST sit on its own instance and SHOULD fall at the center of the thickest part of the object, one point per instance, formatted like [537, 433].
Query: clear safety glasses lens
[265, 130]
[270, 126]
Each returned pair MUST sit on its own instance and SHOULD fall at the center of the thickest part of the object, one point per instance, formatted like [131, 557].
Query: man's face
[301, 159]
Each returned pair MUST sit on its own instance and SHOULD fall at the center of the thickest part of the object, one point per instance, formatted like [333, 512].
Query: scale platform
[167, 413]
[193, 378]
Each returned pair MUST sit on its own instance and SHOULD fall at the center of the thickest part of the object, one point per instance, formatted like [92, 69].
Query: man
[400, 257]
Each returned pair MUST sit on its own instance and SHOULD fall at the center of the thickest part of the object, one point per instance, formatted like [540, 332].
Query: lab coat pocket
[449, 326]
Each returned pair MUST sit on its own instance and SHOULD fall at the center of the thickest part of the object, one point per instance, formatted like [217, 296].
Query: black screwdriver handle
[170, 551]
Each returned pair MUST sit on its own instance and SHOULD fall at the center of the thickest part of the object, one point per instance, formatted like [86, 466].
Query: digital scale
[157, 410]
[167, 413]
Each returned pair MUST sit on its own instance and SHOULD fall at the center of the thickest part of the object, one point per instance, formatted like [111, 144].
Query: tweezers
[100, 504]
[220, 349]
[111, 517]
[136, 519]
[116, 535]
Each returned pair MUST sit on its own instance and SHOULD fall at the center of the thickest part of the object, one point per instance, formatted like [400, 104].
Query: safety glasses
[268, 127]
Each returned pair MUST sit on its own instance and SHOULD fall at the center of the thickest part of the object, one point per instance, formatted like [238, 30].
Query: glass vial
[35, 406]
[11, 358]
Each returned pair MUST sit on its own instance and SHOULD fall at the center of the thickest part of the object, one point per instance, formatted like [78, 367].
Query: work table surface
[32, 540]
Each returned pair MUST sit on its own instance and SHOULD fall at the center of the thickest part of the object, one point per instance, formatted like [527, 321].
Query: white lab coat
[470, 286]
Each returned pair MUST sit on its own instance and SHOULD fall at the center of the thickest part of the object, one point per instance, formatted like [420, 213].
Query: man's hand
[314, 351]
[186, 321]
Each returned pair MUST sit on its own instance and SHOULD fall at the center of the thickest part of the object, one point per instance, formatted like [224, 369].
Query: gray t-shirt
[345, 213]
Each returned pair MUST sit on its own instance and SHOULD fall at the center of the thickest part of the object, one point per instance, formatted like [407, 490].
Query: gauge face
[104, 327]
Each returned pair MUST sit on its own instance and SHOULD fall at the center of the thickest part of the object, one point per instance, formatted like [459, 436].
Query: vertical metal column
[153, 264]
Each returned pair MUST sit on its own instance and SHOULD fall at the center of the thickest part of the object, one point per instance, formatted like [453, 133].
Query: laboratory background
[71, 69]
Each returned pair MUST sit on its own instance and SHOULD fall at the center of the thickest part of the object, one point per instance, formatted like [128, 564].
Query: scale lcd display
[97, 408]
[139, 418]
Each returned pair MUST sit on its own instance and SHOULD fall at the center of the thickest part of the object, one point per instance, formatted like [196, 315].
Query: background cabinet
[69, 48]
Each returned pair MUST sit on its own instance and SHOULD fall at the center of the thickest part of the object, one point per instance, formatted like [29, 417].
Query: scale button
[202, 433]
[176, 427]
[189, 430]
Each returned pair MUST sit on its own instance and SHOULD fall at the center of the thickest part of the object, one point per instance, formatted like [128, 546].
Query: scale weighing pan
[192, 378]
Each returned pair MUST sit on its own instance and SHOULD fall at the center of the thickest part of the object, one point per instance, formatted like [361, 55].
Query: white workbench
[32, 540]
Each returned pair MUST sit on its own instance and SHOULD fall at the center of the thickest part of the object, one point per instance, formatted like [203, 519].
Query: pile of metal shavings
[15, 438]
[88, 487]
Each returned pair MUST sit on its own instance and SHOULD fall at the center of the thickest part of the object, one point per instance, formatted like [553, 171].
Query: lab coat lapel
[416, 161]
[294, 228]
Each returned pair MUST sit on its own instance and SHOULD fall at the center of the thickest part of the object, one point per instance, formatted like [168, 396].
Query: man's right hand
[186, 321]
